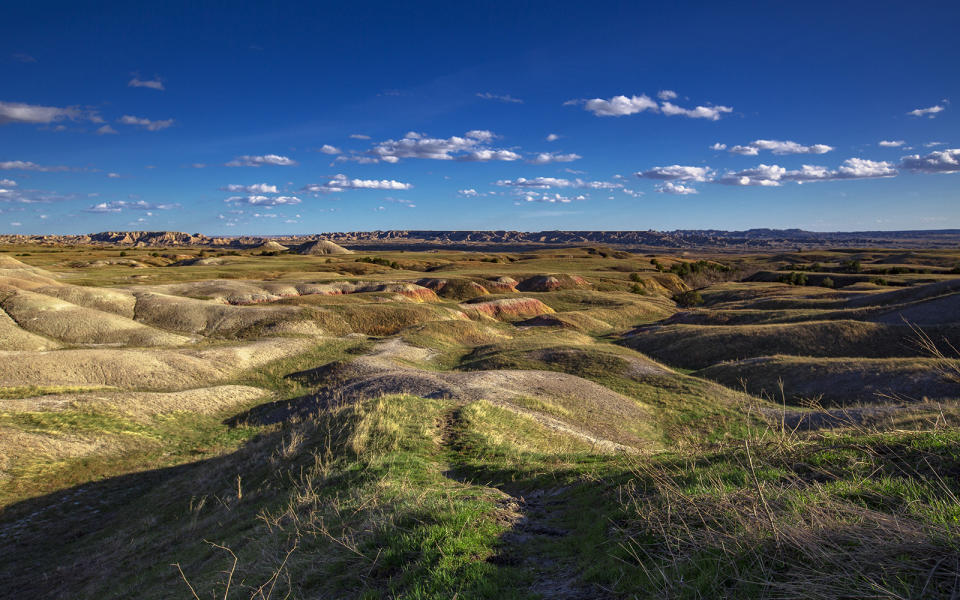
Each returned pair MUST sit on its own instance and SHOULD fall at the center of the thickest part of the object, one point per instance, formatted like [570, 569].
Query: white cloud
[890, 143]
[145, 123]
[543, 183]
[540, 183]
[485, 155]
[328, 149]
[677, 173]
[8, 183]
[860, 168]
[26, 165]
[23, 57]
[617, 106]
[106, 130]
[501, 98]
[341, 182]
[930, 111]
[762, 175]
[113, 175]
[938, 161]
[18, 112]
[15, 224]
[701, 112]
[676, 188]
[469, 147]
[551, 198]
[666, 94]
[544, 158]
[359, 136]
[774, 175]
[780, 147]
[258, 161]
[718, 146]
[153, 84]
[256, 188]
[553, 137]
[115, 206]
[258, 200]
[468, 193]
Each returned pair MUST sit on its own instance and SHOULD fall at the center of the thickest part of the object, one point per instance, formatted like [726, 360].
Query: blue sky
[238, 118]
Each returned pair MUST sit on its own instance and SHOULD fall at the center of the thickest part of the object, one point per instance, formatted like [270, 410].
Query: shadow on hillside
[60, 544]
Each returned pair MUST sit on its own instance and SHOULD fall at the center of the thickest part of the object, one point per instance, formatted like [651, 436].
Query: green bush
[794, 278]
[688, 298]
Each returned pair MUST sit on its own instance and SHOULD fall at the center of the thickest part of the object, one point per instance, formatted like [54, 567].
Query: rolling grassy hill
[549, 424]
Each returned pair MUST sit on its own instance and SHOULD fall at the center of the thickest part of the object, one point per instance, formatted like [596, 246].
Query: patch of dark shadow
[422, 385]
[836, 417]
[317, 375]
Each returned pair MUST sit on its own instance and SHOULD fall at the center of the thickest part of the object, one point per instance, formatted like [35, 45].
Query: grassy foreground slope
[475, 425]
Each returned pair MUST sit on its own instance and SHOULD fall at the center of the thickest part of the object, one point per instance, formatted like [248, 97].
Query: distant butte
[759, 239]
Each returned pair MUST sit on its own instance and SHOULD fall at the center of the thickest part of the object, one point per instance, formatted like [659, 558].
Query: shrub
[635, 277]
[852, 266]
[794, 278]
[688, 298]
[827, 282]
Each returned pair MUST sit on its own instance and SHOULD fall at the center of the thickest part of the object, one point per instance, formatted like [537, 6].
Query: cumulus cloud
[258, 161]
[500, 97]
[718, 146]
[939, 161]
[259, 200]
[552, 137]
[114, 175]
[762, 175]
[256, 188]
[485, 155]
[469, 147]
[145, 123]
[544, 158]
[153, 84]
[341, 182]
[115, 206]
[106, 130]
[677, 173]
[930, 111]
[551, 198]
[544, 183]
[666, 94]
[359, 136]
[18, 112]
[328, 149]
[890, 143]
[700, 112]
[26, 165]
[775, 175]
[779, 147]
[617, 106]
[8, 183]
[468, 193]
[676, 188]
[535, 182]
